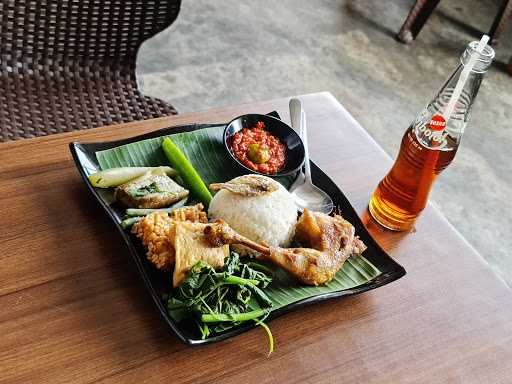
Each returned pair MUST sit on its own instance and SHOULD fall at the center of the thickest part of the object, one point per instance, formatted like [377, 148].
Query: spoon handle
[295, 115]
[295, 111]
[296, 122]
[306, 148]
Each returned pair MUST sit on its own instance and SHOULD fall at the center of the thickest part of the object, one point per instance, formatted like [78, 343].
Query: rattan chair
[70, 64]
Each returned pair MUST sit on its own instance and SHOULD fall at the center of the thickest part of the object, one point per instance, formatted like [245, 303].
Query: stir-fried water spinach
[217, 301]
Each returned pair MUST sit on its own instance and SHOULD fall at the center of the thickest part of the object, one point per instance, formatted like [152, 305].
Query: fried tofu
[191, 245]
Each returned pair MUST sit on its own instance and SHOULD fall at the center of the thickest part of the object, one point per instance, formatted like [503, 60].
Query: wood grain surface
[74, 310]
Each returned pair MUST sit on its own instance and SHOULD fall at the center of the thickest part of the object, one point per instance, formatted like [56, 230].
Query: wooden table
[73, 309]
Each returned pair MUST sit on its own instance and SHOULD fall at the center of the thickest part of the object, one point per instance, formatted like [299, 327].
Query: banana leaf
[205, 150]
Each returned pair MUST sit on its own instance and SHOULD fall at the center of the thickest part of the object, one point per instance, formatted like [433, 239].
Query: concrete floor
[230, 52]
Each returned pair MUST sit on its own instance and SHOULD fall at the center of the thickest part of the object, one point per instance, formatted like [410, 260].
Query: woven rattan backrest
[73, 31]
[70, 64]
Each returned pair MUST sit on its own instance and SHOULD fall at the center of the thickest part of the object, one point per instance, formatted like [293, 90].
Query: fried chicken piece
[157, 233]
[331, 239]
[309, 265]
[248, 185]
[327, 233]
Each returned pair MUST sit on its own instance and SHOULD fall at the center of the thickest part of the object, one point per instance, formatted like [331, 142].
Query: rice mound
[269, 218]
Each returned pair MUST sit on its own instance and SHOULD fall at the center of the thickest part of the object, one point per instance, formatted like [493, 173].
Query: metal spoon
[295, 116]
[306, 194]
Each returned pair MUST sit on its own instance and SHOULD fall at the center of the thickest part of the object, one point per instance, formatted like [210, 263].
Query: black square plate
[84, 155]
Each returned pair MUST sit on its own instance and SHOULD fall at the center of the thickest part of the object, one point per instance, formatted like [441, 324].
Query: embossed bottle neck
[430, 127]
[484, 60]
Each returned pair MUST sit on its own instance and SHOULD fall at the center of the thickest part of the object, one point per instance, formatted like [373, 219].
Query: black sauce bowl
[285, 133]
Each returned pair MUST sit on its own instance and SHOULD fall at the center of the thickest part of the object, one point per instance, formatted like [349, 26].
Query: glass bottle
[428, 147]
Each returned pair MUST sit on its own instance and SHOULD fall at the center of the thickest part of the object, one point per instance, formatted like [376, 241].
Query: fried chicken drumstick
[331, 239]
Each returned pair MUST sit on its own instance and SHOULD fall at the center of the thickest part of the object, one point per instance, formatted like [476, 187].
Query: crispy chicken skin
[157, 233]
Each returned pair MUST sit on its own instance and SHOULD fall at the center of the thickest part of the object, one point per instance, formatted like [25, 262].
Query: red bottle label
[437, 123]
[432, 134]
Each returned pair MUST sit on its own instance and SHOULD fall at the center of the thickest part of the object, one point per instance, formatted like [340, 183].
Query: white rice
[268, 218]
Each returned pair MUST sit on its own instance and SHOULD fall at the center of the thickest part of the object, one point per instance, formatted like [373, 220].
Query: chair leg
[509, 67]
[500, 21]
[417, 17]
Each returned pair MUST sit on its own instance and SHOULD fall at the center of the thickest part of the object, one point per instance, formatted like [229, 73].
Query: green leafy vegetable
[114, 177]
[186, 171]
[212, 299]
[145, 190]
[269, 334]
[234, 317]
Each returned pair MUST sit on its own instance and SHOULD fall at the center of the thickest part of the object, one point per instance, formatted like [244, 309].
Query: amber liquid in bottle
[403, 193]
